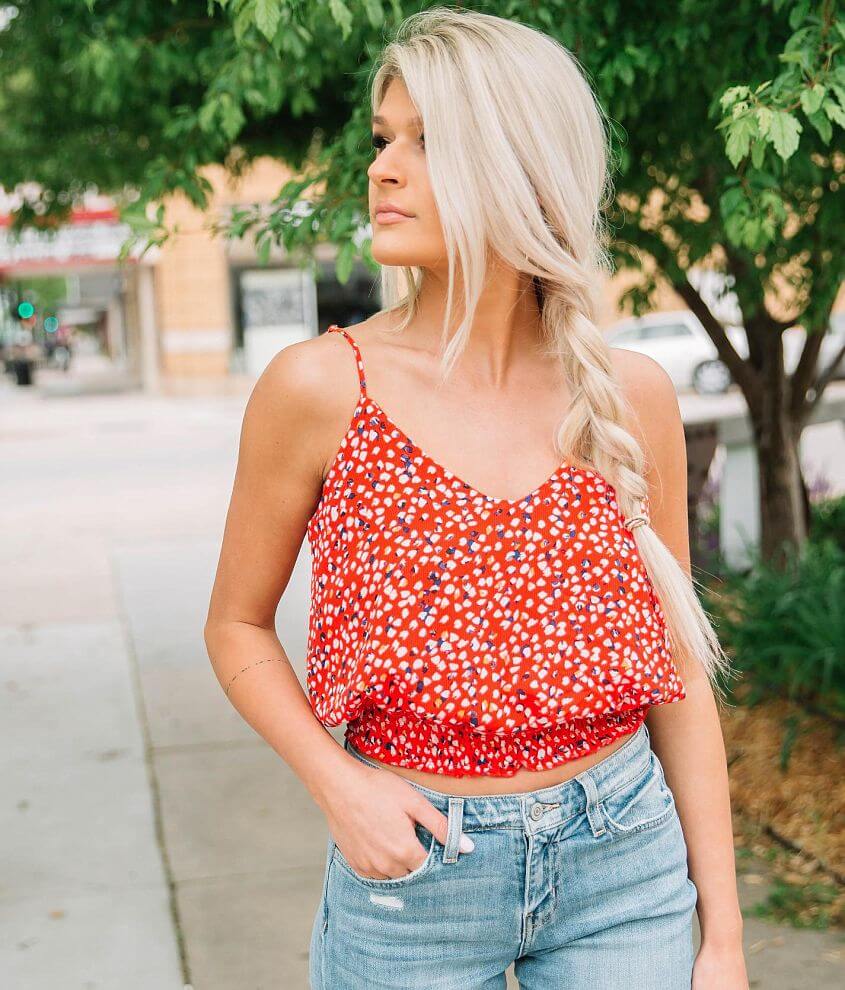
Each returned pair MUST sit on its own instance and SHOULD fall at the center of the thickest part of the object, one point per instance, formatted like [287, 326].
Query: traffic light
[51, 324]
[25, 309]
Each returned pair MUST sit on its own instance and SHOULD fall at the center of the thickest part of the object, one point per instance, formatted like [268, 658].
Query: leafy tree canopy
[728, 118]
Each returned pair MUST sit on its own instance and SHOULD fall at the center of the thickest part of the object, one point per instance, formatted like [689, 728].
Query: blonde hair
[507, 108]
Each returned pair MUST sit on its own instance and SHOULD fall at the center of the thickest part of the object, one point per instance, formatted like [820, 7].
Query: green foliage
[763, 126]
[811, 904]
[827, 521]
[137, 98]
[785, 629]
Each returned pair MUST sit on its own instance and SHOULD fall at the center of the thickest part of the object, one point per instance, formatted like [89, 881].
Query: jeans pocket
[642, 803]
[423, 834]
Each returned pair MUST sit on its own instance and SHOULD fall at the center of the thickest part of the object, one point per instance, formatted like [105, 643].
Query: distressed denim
[582, 886]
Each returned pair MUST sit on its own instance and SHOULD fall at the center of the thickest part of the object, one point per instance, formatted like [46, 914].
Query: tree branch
[802, 379]
[740, 370]
[821, 383]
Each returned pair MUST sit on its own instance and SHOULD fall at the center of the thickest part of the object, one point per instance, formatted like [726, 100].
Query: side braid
[592, 431]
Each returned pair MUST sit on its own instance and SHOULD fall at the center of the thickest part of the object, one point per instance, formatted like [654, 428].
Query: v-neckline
[365, 399]
[471, 490]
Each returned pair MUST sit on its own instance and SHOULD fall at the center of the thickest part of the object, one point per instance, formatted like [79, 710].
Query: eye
[378, 141]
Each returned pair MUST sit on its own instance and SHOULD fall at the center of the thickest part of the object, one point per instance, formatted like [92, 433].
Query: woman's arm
[687, 735]
[292, 428]
[276, 488]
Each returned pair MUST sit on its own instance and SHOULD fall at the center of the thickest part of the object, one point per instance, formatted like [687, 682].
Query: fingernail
[466, 844]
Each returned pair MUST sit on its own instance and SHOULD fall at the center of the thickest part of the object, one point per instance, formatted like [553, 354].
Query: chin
[395, 255]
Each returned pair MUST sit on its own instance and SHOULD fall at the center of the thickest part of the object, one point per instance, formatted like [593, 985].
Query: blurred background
[183, 193]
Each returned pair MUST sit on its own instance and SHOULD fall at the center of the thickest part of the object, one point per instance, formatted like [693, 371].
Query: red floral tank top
[463, 634]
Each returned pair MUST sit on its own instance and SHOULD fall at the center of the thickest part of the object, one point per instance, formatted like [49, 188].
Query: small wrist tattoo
[249, 665]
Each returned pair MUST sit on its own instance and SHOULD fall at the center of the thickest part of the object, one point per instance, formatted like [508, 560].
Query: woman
[494, 653]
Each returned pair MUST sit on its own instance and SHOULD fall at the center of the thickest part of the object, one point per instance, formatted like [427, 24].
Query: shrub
[827, 520]
[785, 629]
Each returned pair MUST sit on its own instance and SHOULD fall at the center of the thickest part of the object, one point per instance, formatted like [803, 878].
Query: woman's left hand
[719, 968]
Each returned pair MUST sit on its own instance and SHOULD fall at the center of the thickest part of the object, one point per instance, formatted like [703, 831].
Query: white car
[680, 344]
[793, 344]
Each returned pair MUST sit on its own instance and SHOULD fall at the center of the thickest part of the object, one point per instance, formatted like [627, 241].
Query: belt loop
[594, 813]
[453, 834]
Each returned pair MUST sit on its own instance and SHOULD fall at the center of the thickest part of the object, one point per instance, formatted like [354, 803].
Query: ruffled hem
[405, 740]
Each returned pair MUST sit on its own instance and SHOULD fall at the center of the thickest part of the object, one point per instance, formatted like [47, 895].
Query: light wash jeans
[583, 886]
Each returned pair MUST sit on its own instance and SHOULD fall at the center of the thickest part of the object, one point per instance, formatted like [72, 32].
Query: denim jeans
[582, 885]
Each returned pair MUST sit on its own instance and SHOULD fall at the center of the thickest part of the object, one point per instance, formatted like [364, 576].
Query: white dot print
[462, 634]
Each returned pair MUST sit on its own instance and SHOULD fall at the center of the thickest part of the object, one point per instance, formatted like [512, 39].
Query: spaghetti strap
[362, 381]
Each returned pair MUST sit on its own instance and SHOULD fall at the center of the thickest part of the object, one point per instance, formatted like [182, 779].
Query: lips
[391, 209]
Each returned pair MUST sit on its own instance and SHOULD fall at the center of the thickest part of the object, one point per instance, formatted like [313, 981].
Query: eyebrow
[412, 121]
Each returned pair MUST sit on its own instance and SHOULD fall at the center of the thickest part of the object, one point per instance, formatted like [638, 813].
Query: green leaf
[375, 12]
[798, 14]
[137, 219]
[811, 99]
[835, 112]
[733, 95]
[342, 16]
[262, 250]
[231, 116]
[822, 124]
[751, 230]
[267, 16]
[344, 261]
[626, 71]
[784, 132]
[764, 120]
[740, 134]
[734, 227]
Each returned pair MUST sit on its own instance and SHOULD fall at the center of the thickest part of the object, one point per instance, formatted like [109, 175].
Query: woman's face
[399, 175]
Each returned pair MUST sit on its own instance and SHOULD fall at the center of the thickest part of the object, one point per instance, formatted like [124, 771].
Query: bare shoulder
[304, 398]
[302, 371]
[316, 378]
[653, 403]
[647, 384]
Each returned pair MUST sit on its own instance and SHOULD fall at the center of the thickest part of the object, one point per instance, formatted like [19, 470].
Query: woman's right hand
[371, 816]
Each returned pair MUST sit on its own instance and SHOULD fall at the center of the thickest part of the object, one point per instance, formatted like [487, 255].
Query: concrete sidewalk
[151, 839]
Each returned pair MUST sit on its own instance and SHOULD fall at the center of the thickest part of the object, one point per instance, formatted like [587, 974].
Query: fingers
[435, 821]
[401, 863]
[429, 817]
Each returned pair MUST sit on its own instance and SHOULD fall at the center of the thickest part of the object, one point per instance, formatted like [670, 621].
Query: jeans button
[536, 811]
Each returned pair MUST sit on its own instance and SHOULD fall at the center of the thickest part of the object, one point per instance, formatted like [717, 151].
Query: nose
[382, 171]
[387, 165]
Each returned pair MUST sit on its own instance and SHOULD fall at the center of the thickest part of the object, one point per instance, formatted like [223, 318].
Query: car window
[627, 336]
[659, 331]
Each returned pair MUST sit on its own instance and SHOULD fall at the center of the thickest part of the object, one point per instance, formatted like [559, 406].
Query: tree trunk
[778, 407]
[783, 517]
[808, 507]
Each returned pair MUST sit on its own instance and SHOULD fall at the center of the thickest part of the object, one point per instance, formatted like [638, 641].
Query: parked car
[680, 344]
[832, 344]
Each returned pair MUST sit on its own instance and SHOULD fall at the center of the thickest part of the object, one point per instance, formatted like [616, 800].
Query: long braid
[592, 431]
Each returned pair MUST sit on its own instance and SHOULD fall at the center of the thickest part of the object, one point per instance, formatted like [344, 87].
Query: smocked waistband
[555, 803]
